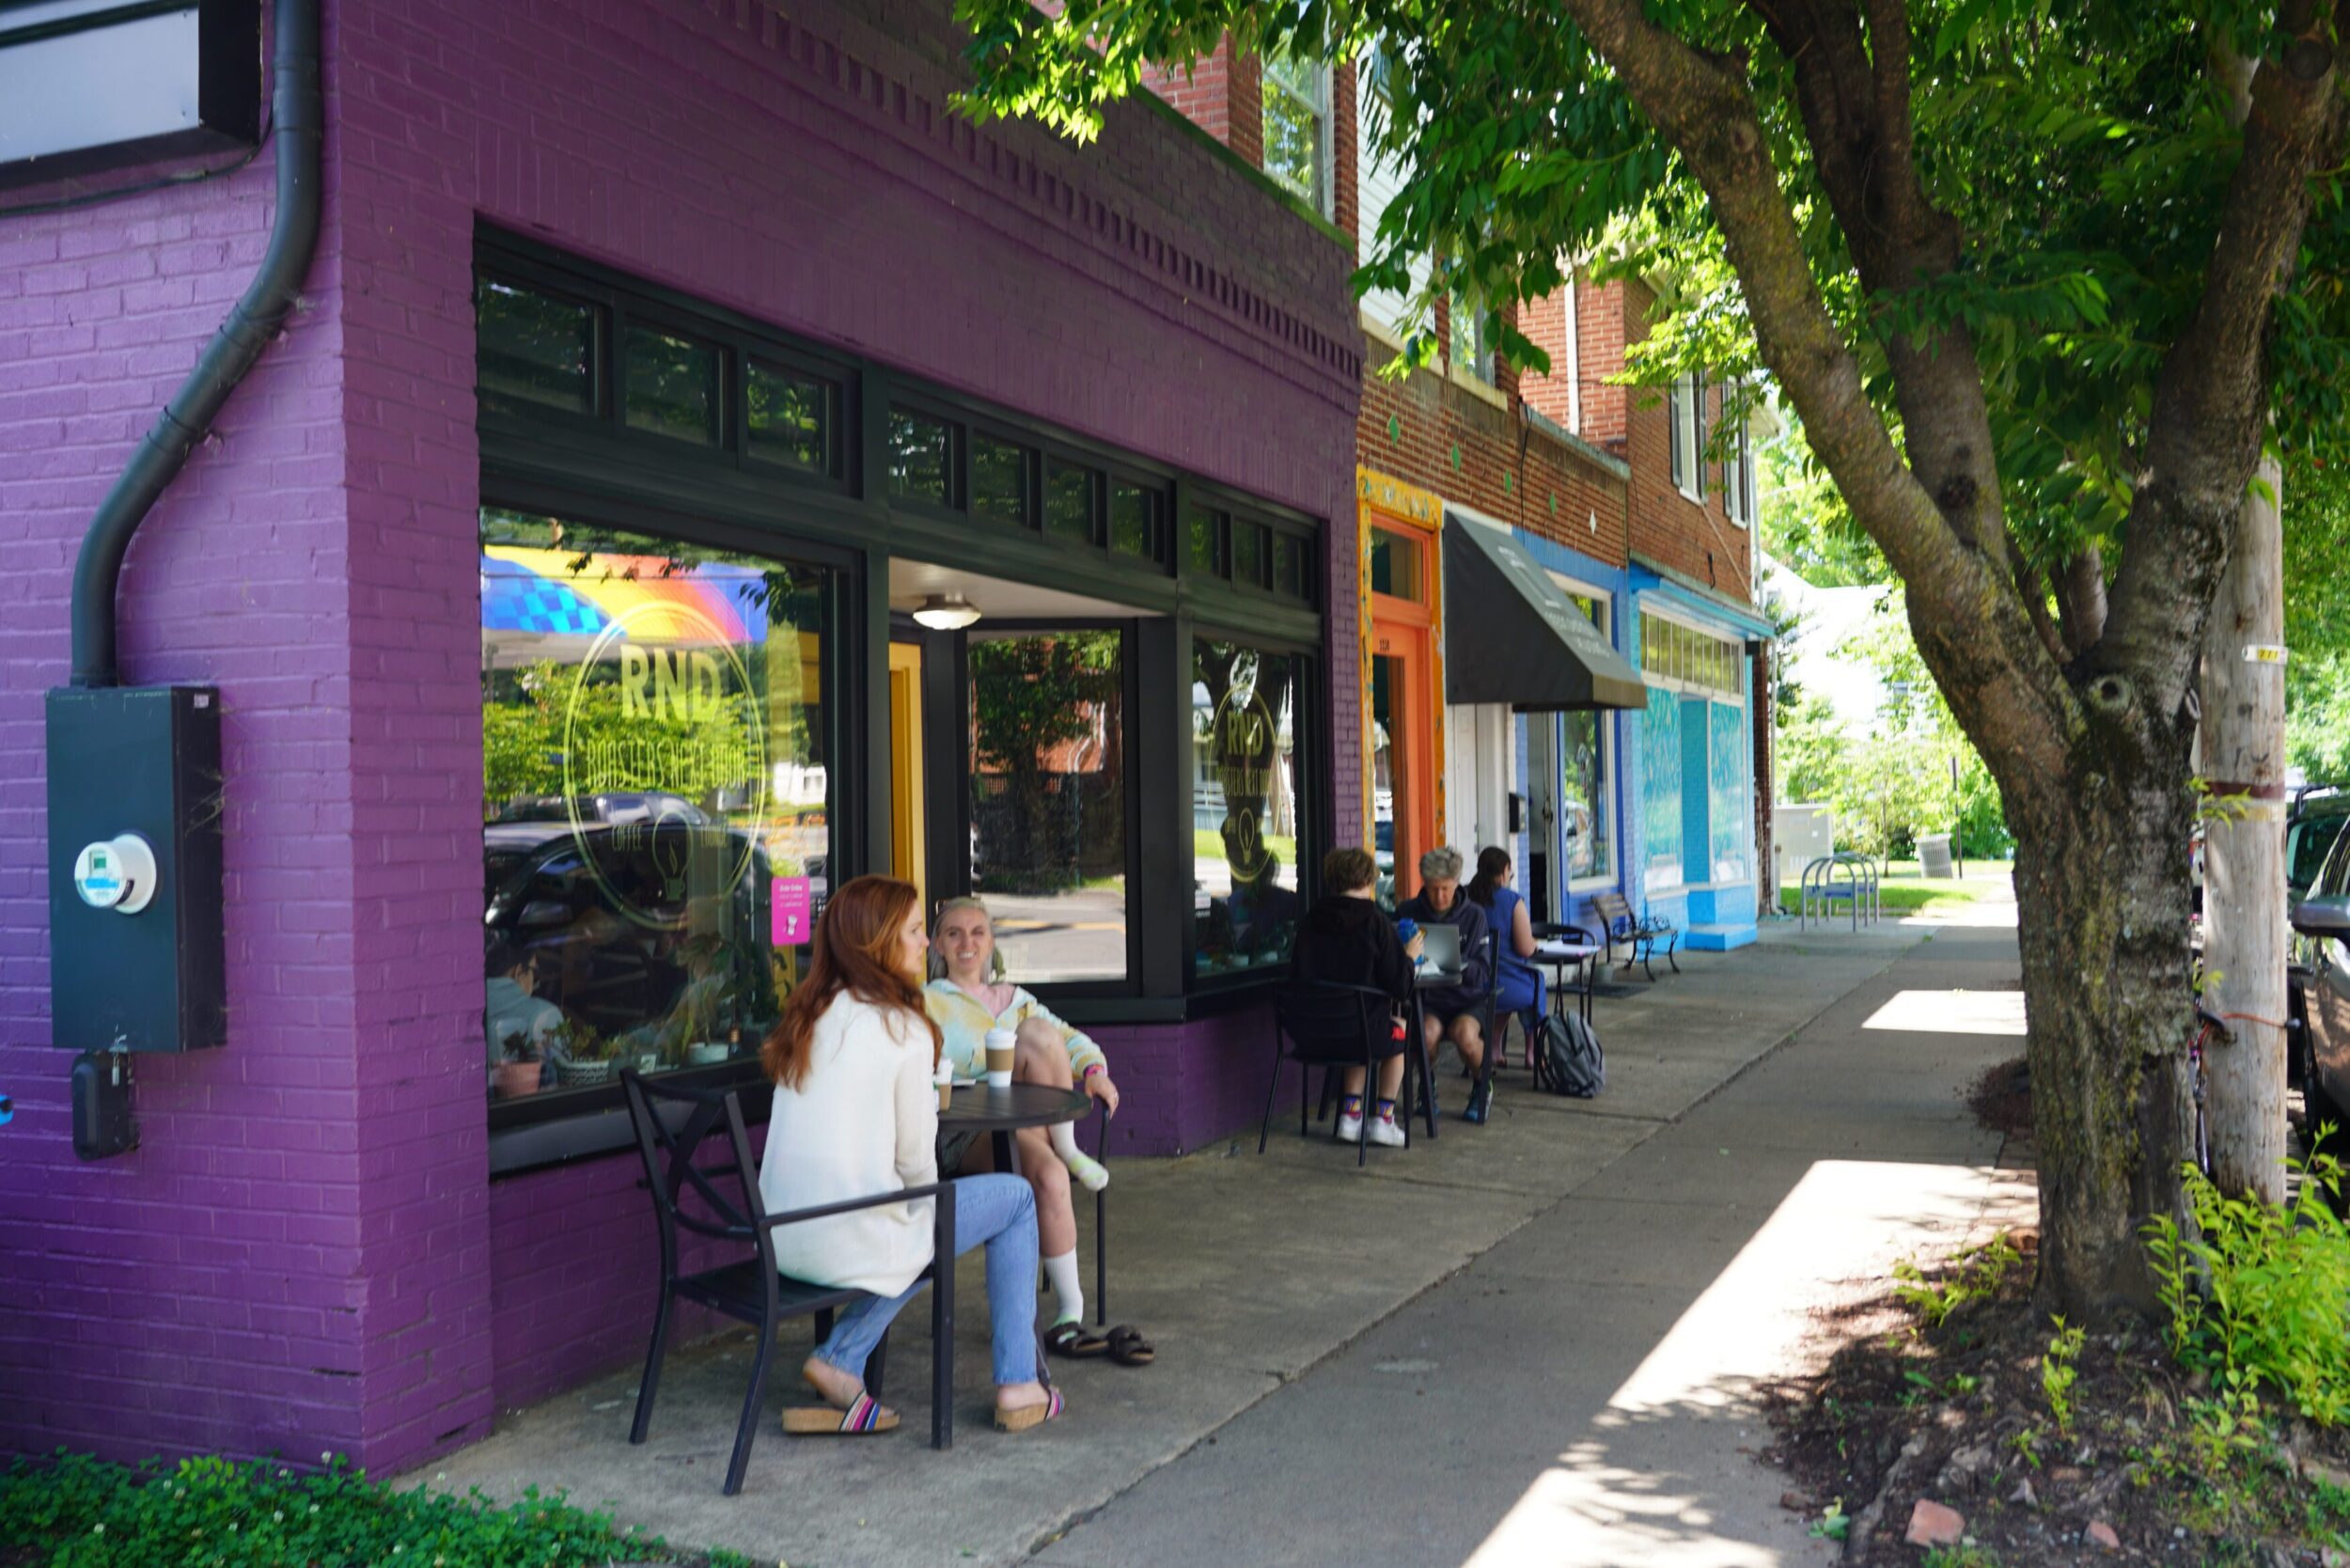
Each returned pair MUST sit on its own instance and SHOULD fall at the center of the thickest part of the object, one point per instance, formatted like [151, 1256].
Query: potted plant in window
[583, 1056]
[517, 1071]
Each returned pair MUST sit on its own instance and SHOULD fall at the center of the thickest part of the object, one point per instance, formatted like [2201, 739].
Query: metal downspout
[297, 115]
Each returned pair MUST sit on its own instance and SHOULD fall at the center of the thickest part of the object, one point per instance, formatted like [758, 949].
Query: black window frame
[538, 458]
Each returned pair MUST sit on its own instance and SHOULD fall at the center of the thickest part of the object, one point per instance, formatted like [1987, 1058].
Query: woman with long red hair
[856, 1113]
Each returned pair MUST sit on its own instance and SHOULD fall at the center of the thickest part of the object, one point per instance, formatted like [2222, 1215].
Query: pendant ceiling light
[946, 612]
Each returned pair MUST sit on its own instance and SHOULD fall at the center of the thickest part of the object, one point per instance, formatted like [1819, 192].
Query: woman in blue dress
[1517, 984]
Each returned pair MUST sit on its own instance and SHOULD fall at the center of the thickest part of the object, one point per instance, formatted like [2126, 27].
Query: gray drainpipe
[297, 113]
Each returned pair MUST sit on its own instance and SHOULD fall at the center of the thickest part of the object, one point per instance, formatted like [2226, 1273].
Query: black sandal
[1072, 1340]
[1128, 1348]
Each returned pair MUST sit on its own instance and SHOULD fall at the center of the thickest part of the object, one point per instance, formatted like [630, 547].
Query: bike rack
[1841, 879]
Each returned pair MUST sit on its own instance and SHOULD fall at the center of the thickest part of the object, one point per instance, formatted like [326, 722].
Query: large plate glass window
[1246, 811]
[1048, 801]
[656, 799]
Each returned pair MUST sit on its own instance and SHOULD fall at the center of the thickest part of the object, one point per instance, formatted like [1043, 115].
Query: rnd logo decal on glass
[679, 726]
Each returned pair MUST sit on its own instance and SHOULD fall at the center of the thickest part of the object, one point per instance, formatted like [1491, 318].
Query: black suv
[2321, 925]
[2314, 823]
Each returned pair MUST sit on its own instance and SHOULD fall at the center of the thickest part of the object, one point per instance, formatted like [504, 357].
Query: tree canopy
[2039, 279]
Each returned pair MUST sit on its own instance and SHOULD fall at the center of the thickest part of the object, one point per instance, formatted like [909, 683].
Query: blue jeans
[1001, 1211]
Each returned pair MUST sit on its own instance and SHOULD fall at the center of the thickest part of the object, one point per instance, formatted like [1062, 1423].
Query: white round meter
[119, 874]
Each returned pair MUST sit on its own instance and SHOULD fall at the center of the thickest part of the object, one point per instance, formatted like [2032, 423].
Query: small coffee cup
[999, 1053]
[944, 1079]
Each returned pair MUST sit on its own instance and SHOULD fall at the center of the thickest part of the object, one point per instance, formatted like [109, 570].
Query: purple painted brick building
[329, 1237]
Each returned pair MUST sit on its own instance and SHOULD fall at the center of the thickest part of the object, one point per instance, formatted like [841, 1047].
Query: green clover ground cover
[76, 1512]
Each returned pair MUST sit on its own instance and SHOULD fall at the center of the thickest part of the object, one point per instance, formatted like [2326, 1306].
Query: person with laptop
[1347, 939]
[1452, 1012]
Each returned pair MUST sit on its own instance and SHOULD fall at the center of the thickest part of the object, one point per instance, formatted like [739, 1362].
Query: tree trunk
[2101, 884]
[2244, 858]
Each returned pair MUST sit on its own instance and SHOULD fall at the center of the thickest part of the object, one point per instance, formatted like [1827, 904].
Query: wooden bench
[1641, 932]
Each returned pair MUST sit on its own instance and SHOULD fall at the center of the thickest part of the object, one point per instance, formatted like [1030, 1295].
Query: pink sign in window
[788, 906]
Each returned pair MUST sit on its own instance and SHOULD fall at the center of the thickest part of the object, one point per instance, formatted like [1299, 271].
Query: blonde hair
[938, 953]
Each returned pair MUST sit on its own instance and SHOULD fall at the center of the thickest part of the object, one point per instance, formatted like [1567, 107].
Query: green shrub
[2262, 1292]
[213, 1513]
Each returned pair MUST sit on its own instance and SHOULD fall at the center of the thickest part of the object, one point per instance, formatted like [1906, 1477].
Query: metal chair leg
[1273, 1087]
[651, 1380]
[877, 1365]
[1102, 1212]
[747, 1427]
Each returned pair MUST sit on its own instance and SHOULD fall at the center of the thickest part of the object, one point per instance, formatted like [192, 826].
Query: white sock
[1063, 1272]
[1092, 1174]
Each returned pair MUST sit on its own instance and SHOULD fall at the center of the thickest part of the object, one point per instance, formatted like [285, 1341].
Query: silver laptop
[1441, 947]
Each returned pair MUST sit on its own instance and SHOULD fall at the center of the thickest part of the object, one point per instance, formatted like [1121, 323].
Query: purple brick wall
[306, 1253]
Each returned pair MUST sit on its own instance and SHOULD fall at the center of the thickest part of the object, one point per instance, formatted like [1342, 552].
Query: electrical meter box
[137, 959]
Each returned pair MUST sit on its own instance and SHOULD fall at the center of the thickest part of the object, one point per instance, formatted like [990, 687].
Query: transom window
[1685, 655]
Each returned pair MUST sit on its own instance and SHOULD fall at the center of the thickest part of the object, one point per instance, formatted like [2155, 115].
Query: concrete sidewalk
[1486, 1347]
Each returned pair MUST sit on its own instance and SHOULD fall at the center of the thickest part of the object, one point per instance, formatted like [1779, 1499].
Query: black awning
[1512, 636]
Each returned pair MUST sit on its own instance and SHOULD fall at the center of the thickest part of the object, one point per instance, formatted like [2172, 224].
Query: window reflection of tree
[1048, 800]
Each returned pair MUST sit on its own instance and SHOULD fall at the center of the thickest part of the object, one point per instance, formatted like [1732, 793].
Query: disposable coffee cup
[944, 1079]
[999, 1044]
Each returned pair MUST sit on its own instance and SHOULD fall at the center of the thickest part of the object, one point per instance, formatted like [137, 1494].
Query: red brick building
[1623, 498]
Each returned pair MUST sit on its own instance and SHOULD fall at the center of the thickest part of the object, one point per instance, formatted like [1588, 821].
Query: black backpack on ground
[1567, 1057]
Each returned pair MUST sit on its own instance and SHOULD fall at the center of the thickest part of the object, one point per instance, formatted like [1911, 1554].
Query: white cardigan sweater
[863, 1120]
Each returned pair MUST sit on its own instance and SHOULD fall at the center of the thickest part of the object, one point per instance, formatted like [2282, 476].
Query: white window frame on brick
[1470, 352]
[1684, 410]
[1307, 84]
[1738, 480]
[1603, 603]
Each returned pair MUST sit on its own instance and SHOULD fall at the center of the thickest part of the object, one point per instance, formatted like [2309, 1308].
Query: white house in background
[1814, 657]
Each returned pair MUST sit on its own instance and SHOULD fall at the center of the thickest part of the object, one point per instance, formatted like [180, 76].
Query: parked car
[604, 909]
[2314, 823]
[2321, 925]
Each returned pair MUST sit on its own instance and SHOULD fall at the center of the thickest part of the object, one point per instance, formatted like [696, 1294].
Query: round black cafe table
[975, 1110]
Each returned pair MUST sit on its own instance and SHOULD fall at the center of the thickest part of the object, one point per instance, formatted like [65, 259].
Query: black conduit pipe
[296, 118]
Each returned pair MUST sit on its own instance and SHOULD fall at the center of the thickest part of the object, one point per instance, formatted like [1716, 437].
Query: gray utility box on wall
[136, 957]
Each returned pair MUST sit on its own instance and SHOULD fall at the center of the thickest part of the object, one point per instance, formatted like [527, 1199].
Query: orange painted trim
[1404, 508]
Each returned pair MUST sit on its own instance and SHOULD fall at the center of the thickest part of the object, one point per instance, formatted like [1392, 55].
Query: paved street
[1528, 1344]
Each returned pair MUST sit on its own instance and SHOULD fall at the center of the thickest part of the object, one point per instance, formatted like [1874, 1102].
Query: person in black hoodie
[1347, 939]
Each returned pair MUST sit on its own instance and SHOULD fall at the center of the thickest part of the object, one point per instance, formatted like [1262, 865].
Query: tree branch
[2080, 593]
[1853, 91]
[2035, 597]
[2211, 398]
[1970, 622]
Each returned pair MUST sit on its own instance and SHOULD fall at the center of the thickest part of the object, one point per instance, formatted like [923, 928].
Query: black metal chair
[1581, 936]
[1329, 1024]
[671, 1126]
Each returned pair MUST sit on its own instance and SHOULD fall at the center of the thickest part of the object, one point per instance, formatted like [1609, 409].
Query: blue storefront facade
[1657, 802]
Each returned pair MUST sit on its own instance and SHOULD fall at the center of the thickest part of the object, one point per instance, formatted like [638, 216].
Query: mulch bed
[1958, 1416]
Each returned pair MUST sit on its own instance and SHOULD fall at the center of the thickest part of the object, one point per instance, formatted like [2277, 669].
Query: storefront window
[790, 419]
[1583, 754]
[1048, 801]
[656, 799]
[1000, 480]
[1246, 826]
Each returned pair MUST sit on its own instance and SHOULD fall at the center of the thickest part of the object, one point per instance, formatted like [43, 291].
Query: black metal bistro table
[1426, 978]
[975, 1110]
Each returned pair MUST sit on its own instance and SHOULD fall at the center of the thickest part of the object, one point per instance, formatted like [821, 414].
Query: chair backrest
[1324, 1021]
[672, 1124]
[1612, 908]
